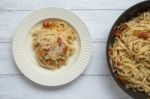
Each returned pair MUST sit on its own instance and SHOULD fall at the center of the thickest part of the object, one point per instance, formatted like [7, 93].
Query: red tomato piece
[46, 24]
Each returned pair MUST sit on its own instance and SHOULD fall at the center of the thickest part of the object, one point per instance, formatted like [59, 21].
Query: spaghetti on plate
[53, 43]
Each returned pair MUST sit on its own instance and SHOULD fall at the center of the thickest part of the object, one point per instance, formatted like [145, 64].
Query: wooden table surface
[96, 81]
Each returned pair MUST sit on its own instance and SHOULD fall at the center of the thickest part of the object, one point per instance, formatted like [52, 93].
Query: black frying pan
[126, 16]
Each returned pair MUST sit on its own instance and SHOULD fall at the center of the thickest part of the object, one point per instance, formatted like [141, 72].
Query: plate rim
[49, 9]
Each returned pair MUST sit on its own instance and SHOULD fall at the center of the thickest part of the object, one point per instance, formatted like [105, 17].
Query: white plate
[24, 54]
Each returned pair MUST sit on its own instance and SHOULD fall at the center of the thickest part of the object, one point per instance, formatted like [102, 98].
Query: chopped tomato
[65, 50]
[118, 63]
[141, 34]
[120, 29]
[117, 33]
[46, 24]
[110, 51]
[121, 78]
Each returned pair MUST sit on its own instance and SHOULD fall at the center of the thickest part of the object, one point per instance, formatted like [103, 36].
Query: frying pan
[129, 14]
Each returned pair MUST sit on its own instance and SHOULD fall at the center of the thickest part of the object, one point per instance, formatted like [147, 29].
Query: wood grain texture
[69, 4]
[99, 22]
[85, 87]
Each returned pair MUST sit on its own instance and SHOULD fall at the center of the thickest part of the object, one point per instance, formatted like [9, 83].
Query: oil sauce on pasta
[130, 54]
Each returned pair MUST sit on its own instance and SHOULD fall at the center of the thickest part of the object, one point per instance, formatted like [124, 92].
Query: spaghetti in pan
[130, 53]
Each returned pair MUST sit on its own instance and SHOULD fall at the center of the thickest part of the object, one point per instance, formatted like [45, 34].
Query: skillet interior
[126, 16]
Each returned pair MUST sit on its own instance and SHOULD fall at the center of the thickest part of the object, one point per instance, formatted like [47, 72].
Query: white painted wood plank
[8, 22]
[78, 4]
[85, 87]
[14, 86]
[97, 65]
[7, 64]
[99, 22]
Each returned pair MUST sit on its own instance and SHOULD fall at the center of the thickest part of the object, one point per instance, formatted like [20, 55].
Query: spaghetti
[130, 53]
[53, 43]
